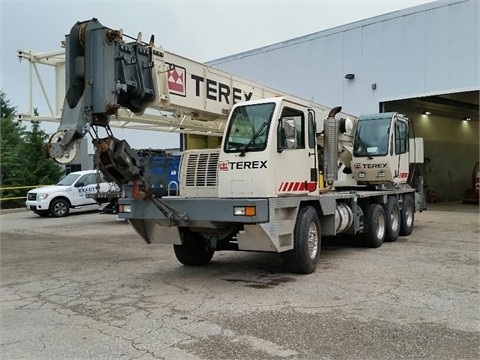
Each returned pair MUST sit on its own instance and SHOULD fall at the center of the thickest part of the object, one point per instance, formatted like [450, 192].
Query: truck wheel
[374, 226]
[193, 251]
[392, 220]
[59, 208]
[303, 258]
[407, 214]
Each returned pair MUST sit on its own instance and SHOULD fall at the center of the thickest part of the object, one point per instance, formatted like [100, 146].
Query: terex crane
[288, 172]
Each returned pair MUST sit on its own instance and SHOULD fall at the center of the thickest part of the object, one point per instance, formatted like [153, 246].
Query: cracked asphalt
[87, 287]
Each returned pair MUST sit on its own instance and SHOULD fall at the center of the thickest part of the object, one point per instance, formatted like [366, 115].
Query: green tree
[22, 162]
[41, 170]
[6, 109]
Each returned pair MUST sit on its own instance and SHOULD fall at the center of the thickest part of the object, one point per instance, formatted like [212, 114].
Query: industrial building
[422, 62]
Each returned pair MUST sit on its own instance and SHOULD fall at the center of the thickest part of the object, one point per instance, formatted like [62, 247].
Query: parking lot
[87, 287]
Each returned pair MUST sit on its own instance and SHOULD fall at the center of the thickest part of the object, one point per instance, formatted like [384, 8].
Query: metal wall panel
[392, 55]
[424, 50]
[318, 86]
[462, 46]
[334, 75]
[371, 69]
[414, 53]
[353, 90]
[437, 49]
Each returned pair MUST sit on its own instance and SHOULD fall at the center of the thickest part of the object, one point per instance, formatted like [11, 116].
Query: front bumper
[197, 212]
[37, 205]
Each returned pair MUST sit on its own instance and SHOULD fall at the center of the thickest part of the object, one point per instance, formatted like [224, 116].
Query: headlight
[381, 174]
[244, 210]
[361, 175]
[42, 196]
[122, 208]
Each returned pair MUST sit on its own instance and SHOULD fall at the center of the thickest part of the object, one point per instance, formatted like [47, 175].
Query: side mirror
[290, 133]
[286, 134]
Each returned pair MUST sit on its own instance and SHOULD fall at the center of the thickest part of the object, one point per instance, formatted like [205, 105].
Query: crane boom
[107, 75]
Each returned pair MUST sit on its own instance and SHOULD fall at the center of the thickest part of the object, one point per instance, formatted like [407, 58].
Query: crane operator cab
[381, 149]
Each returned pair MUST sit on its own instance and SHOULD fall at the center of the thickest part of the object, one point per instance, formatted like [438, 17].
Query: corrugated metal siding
[423, 50]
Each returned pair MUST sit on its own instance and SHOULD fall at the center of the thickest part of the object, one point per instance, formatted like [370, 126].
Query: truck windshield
[246, 123]
[371, 137]
[68, 180]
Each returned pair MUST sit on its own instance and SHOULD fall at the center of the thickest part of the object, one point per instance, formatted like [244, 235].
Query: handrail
[19, 187]
[16, 188]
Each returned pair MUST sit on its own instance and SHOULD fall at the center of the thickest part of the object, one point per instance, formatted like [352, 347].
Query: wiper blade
[254, 137]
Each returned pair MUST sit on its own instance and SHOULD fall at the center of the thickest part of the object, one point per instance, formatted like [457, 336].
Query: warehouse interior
[449, 125]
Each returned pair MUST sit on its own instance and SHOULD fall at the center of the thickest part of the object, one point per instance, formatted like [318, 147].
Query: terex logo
[242, 165]
[215, 90]
[370, 166]
[218, 91]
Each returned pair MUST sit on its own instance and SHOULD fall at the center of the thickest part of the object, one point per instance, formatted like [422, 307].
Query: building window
[72, 168]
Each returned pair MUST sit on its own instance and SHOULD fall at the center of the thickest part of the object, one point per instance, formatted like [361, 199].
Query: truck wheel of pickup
[59, 207]
[303, 258]
[407, 214]
[374, 226]
[193, 251]
[392, 220]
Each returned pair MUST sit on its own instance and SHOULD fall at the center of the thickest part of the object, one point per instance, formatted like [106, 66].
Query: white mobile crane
[288, 172]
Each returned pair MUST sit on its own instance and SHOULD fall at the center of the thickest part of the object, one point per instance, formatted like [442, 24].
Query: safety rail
[16, 188]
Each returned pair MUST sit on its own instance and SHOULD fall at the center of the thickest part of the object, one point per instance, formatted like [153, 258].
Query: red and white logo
[223, 165]
[357, 166]
[176, 80]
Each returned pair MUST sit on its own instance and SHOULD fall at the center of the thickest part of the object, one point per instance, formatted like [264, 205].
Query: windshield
[68, 180]
[371, 137]
[249, 122]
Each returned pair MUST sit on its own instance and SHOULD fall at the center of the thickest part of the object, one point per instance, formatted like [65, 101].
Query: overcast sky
[200, 30]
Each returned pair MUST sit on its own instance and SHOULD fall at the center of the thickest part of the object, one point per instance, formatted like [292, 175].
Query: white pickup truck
[70, 192]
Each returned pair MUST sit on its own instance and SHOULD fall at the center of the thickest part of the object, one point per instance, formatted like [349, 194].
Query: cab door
[86, 184]
[296, 160]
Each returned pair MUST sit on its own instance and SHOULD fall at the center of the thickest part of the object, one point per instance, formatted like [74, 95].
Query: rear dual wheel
[407, 215]
[392, 219]
[374, 226]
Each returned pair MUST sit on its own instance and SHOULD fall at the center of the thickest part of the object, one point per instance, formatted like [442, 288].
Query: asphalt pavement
[87, 287]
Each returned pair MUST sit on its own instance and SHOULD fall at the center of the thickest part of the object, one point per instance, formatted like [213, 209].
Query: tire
[59, 208]
[193, 251]
[392, 219]
[43, 213]
[303, 258]
[407, 215]
[374, 226]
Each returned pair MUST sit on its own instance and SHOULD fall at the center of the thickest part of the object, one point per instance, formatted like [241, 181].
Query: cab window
[401, 137]
[291, 129]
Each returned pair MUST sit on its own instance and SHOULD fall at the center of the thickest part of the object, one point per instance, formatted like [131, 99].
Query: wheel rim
[395, 219]
[380, 225]
[60, 209]
[409, 215]
[312, 240]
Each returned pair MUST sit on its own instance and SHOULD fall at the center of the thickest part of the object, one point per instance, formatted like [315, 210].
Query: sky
[199, 30]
